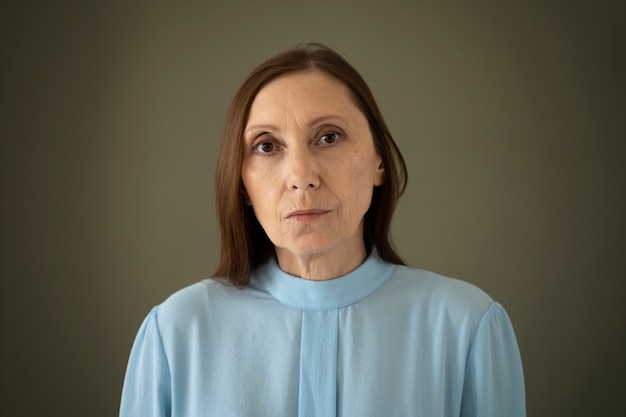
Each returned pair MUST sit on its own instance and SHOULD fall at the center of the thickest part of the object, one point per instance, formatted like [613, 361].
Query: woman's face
[309, 165]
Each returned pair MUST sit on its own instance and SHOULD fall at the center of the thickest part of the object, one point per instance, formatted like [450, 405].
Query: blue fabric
[384, 340]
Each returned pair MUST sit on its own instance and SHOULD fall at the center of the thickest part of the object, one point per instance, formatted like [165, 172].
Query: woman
[311, 312]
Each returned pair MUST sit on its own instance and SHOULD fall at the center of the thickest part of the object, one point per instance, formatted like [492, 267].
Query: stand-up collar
[324, 295]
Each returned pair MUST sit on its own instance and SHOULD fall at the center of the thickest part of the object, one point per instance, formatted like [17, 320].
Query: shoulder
[433, 293]
[193, 294]
[195, 303]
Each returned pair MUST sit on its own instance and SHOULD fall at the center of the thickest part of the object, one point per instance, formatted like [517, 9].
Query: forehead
[306, 93]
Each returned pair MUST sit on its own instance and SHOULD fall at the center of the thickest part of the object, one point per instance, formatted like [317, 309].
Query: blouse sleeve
[146, 390]
[494, 380]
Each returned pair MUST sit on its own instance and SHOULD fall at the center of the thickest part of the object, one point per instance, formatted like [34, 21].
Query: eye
[265, 148]
[329, 138]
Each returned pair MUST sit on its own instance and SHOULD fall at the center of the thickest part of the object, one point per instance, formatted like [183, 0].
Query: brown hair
[244, 244]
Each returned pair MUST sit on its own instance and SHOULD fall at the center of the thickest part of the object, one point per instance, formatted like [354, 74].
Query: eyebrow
[260, 126]
[314, 122]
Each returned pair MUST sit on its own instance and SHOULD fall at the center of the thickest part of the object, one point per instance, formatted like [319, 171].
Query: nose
[302, 171]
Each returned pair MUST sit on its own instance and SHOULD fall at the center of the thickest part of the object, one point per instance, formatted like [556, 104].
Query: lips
[306, 215]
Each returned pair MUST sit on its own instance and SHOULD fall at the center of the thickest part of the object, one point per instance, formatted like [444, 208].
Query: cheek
[253, 181]
[361, 172]
[355, 189]
[262, 196]
[259, 175]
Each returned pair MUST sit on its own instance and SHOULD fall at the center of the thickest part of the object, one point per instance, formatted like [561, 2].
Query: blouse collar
[324, 295]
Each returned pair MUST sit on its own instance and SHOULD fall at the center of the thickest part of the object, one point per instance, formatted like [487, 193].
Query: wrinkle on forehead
[289, 102]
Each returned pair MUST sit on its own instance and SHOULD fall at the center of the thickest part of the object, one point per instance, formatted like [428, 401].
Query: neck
[321, 266]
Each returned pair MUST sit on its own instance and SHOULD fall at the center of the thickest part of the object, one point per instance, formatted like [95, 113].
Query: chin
[308, 246]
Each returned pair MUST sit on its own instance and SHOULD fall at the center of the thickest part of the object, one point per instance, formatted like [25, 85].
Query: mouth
[306, 215]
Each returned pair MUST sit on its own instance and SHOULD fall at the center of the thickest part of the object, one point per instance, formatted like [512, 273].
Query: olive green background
[510, 116]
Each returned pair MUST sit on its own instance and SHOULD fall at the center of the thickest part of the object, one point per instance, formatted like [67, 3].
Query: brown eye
[265, 147]
[329, 138]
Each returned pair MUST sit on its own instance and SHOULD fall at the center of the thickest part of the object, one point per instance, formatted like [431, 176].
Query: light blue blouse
[384, 340]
